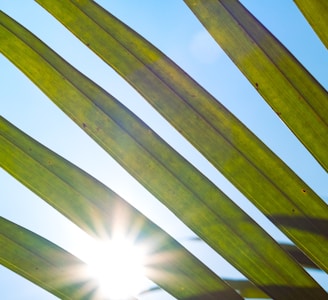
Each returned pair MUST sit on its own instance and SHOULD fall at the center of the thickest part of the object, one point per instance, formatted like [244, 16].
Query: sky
[171, 27]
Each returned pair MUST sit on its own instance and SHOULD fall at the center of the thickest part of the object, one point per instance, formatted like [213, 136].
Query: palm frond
[272, 269]
[99, 211]
[44, 263]
[251, 166]
[315, 12]
[291, 91]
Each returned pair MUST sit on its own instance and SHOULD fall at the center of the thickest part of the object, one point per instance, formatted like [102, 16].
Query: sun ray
[118, 266]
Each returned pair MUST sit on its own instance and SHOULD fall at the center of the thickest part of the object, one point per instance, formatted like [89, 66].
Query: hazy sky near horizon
[171, 27]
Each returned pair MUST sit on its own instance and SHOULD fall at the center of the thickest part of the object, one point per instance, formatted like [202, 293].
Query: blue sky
[171, 27]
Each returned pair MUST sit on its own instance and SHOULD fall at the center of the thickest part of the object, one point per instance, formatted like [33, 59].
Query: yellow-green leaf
[293, 251]
[273, 187]
[44, 263]
[97, 210]
[203, 207]
[245, 288]
[298, 99]
[316, 12]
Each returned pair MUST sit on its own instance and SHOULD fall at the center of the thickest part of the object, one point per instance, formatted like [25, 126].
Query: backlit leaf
[273, 187]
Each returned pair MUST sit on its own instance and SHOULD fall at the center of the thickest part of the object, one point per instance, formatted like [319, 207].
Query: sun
[117, 265]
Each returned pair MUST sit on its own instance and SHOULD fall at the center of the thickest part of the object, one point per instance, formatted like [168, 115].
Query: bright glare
[117, 265]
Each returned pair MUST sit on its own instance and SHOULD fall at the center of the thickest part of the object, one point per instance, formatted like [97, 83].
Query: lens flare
[117, 265]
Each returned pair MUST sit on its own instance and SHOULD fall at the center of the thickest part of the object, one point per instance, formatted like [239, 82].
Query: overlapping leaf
[298, 99]
[200, 204]
[293, 251]
[100, 212]
[44, 263]
[61, 273]
[244, 287]
[283, 197]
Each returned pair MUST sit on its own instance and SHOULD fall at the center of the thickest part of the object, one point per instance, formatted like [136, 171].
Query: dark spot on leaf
[303, 191]
[84, 125]
[256, 85]
[278, 113]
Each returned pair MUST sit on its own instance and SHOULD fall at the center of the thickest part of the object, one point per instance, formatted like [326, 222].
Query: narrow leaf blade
[44, 263]
[244, 287]
[293, 251]
[298, 99]
[203, 207]
[275, 189]
[316, 12]
[99, 211]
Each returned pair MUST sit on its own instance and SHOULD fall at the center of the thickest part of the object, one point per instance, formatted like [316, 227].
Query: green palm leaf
[316, 13]
[44, 263]
[96, 209]
[244, 287]
[299, 256]
[293, 251]
[225, 227]
[283, 197]
[298, 99]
